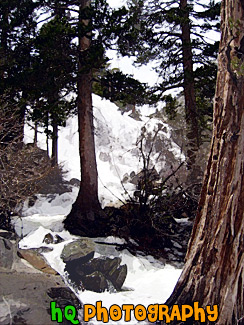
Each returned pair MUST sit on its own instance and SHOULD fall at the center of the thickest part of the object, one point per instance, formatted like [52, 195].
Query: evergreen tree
[122, 88]
[96, 32]
[17, 31]
[54, 76]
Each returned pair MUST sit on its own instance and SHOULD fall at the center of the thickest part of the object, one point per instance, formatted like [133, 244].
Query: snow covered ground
[148, 280]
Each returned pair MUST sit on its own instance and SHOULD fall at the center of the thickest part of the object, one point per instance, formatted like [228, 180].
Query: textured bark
[193, 141]
[87, 207]
[214, 269]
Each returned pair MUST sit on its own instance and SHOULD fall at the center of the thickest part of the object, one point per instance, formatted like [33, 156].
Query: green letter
[54, 311]
[70, 316]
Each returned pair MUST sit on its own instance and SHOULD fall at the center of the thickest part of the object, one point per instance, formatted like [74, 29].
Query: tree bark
[86, 208]
[193, 135]
[214, 268]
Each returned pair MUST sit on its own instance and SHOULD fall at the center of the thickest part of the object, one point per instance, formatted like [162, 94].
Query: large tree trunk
[193, 134]
[214, 269]
[86, 208]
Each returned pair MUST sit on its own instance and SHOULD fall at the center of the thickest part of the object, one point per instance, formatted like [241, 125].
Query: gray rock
[102, 264]
[6, 253]
[25, 298]
[103, 156]
[82, 249]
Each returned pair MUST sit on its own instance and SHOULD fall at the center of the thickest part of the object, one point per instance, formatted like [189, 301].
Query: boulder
[6, 253]
[58, 239]
[25, 298]
[102, 264]
[34, 257]
[74, 182]
[117, 276]
[48, 239]
[95, 282]
[97, 270]
[82, 250]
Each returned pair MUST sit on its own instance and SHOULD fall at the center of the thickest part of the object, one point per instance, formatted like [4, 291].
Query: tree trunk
[35, 133]
[193, 136]
[53, 102]
[86, 208]
[54, 159]
[47, 135]
[214, 268]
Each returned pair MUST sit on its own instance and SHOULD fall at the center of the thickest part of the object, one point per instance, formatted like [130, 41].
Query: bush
[21, 166]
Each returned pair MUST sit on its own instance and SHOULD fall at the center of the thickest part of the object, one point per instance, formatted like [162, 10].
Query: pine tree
[213, 272]
[17, 31]
[172, 34]
[86, 207]
[96, 32]
[54, 76]
[98, 29]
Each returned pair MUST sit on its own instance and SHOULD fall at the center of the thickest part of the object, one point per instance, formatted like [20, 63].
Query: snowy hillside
[117, 151]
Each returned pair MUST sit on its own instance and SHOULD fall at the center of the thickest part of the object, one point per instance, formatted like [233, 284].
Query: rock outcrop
[25, 292]
[89, 273]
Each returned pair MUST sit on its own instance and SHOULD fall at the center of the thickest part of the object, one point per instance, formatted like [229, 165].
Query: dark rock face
[95, 281]
[6, 253]
[95, 274]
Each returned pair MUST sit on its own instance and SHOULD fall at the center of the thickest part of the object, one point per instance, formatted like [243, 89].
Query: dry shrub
[21, 166]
